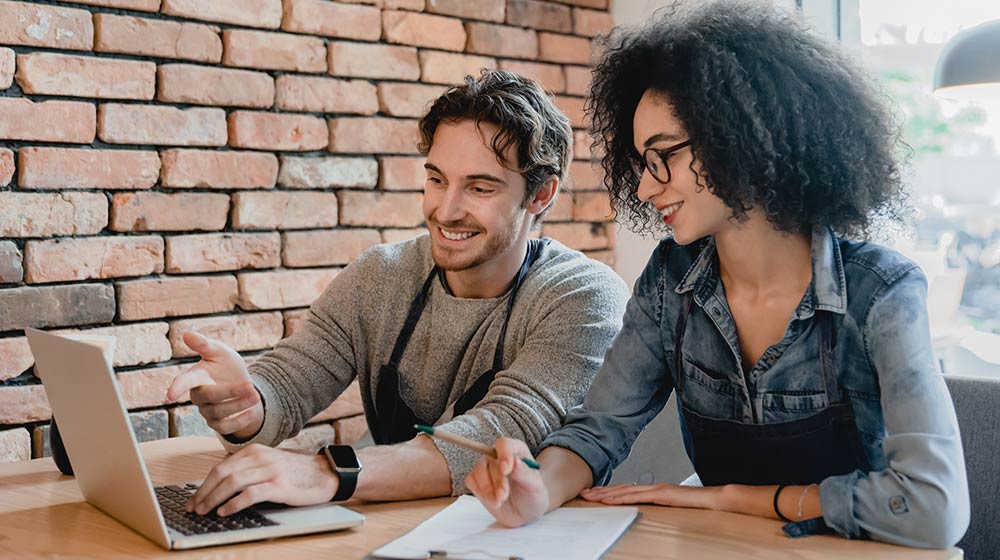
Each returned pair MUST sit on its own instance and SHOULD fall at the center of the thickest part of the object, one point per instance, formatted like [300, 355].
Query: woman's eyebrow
[663, 136]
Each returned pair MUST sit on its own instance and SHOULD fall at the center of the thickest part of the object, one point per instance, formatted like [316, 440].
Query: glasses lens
[656, 166]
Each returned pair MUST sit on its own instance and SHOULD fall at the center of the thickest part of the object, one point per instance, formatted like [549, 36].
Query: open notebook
[466, 530]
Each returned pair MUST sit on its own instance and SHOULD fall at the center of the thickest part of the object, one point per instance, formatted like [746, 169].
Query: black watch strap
[347, 474]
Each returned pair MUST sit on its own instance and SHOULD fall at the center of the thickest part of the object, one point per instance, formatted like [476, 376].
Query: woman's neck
[757, 261]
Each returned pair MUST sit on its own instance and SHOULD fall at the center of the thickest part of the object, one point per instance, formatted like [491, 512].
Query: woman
[806, 384]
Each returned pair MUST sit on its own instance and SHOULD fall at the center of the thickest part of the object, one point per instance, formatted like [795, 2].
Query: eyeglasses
[656, 160]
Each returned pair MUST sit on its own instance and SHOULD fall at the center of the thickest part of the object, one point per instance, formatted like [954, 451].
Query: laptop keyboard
[172, 500]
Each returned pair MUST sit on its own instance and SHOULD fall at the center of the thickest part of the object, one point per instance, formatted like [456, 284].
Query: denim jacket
[916, 494]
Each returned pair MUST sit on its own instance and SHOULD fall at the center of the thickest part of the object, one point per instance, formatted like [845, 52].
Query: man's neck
[490, 279]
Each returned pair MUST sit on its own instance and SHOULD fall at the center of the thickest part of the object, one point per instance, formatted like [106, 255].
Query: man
[475, 328]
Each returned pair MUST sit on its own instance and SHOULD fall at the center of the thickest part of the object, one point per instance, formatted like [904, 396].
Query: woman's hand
[663, 494]
[510, 490]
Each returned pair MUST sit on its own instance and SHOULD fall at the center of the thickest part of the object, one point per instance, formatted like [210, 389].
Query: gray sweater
[564, 318]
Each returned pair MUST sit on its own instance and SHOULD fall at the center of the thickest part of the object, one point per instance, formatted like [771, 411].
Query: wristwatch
[343, 461]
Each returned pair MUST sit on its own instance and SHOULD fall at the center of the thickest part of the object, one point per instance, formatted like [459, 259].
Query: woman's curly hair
[779, 119]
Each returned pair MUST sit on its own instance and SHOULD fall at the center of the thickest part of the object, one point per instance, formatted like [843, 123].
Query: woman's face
[692, 212]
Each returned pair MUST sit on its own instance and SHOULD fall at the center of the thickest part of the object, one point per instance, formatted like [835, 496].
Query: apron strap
[826, 358]
[679, 343]
[534, 249]
[412, 317]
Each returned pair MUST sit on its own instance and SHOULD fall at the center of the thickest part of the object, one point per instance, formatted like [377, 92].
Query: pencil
[468, 443]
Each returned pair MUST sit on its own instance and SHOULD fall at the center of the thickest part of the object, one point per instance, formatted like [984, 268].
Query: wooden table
[43, 514]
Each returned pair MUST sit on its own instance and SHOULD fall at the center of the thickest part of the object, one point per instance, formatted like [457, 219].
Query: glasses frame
[661, 154]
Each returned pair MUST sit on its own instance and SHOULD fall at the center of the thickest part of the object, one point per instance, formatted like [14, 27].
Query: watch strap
[347, 478]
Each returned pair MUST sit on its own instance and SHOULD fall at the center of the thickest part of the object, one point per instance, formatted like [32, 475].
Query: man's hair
[779, 119]
[526, 118]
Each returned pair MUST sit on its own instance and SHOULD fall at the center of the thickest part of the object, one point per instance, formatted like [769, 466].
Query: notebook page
[466, 530]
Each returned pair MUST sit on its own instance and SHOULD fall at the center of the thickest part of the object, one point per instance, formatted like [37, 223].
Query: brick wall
[168, 165]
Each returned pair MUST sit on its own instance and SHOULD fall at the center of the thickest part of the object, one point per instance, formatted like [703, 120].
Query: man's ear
[544, 197]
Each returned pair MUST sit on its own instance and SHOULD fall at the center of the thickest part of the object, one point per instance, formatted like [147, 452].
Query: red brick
[598, 4]
[327, 172]
[346, 405]
[488, 10]
[247, 331]
[294, 320]
[20, 405]
[148, 387]
[211, 169]
[65, 260]
[51, 214]
[502, 40]
[6, 166]
[251, 13]
[580, 236]
[578, 80]
[592, 207]
[273, 51]
[606, 257]
[85, 76]
[154, 211]
[136, 344]
[159, 125]
[573, 108]
[401, 210]
[326, 248]
[15, 357]
[7, 67]
[15, 445]
[591, 23]
[326, 95]
[11, 266]
[373, 135]
[321, 17]
[54, 306]
[423, 30]
[406, 100]
[47, 121]
[402, 173]
[36, 25]
[284, 210]
[561, 210]
[202, 85]
[215, 252]
[397, 235]
[364, 60]
[583, 145]
[350, 430]
[175, 296]
[563, 48]
[71, 168]
[138, 5]
[157, 37]
[283, 288]
[412, 5]
[273, 131]
[450, 68]
[549, 75]
[539, 15]
[585, 176]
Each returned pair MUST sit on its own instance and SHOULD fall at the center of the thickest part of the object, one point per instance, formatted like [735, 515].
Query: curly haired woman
[801, 356]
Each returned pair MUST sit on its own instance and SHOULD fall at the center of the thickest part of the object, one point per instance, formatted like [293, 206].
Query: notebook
[466, 530]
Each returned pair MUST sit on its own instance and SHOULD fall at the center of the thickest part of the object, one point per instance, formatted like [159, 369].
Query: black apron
[800, 452]
[394, 419]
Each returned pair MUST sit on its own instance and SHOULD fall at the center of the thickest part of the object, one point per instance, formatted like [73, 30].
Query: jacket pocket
[708, 393]
[782, 407]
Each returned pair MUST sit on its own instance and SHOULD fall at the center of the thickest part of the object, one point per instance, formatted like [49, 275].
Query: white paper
[467, 531]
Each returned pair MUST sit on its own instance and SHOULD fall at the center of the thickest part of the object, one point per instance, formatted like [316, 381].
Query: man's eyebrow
[476, 177]
[659, 138]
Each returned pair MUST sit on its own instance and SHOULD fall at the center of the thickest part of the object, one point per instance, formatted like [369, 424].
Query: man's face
[473, 205]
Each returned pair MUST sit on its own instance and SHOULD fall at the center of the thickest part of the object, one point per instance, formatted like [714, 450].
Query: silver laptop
[96, 431]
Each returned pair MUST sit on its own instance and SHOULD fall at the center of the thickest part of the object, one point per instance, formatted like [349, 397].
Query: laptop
[94, 424]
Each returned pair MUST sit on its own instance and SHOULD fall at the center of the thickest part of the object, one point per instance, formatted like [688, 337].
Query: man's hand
[510, 490]
[220, 385]
[259, 473]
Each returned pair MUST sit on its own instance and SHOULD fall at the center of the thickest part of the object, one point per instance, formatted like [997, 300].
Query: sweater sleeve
[572, 324]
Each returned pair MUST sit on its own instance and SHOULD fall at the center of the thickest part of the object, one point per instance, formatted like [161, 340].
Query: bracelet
[776, 510]
[802, 500]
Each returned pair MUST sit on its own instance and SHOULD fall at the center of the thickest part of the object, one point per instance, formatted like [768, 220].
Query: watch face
[344, 456]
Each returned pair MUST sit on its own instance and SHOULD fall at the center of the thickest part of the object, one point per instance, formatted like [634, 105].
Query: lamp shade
[969, 65]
